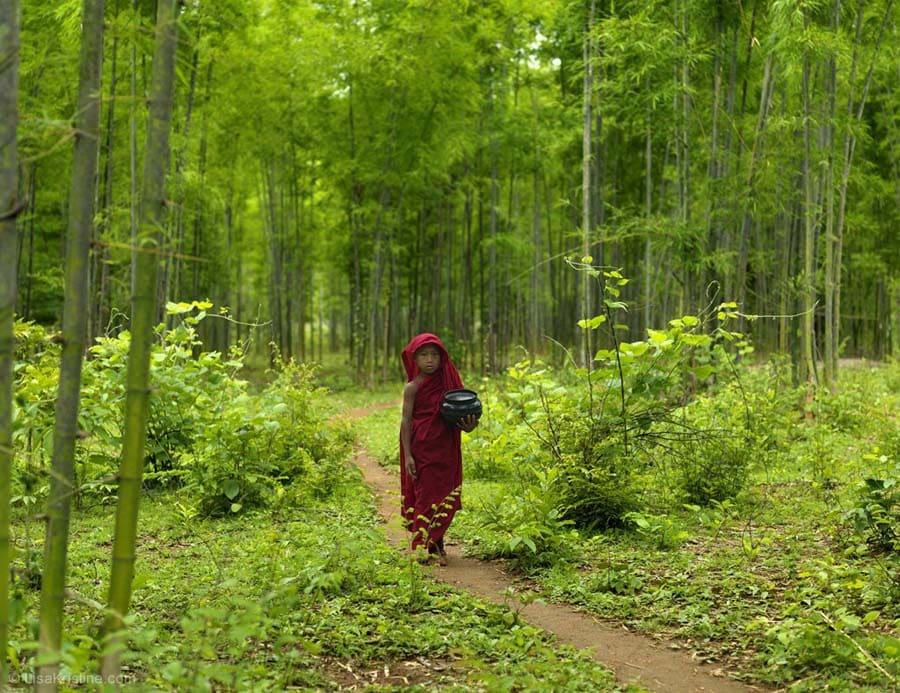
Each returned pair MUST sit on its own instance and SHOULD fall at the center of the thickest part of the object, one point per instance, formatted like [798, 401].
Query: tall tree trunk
[685, 148]
[588, 92]
[492, 250]
[810, 214]
[482, 305]
[734, 141]
[174, 260]
[32, 217]
[830, 270]
[298, 264]
[227, 295]
[133, 152]
[468, 298]
[321, 320]
[152, 222]
[9, 209]
[713, 169]
[353, 214]
[374, 298]
[272, 224]
[747, 220]
[537, 251]
[648, 212]
[99, 280]
[74, 333]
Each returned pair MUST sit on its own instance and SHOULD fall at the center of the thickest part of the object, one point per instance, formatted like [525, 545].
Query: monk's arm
[409, 399]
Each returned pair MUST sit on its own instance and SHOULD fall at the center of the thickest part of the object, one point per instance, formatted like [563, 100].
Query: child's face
[428, 359]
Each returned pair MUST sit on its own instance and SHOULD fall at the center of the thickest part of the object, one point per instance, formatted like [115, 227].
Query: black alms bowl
[458, 404]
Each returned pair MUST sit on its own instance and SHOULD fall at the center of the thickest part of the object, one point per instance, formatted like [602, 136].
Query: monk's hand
[468, 423]
[411, 466]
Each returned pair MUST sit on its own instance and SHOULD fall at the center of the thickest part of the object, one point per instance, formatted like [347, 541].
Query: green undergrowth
[305, 595]
[261, 562]
[364, 399]
[380, 434]
[784, 564]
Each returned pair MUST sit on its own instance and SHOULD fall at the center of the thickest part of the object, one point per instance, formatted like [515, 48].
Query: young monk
[430, 455]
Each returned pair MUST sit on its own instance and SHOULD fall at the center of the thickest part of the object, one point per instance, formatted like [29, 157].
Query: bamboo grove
[349, 173]
[335, 176]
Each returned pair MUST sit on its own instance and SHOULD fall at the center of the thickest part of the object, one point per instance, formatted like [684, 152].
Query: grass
[304, 595]
[777, 583]
[380, 434]
[795, 582]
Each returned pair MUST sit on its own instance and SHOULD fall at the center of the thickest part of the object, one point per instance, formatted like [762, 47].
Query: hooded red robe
[429, 502]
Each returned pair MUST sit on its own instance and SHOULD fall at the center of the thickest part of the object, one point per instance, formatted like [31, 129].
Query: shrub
[712, 452]
[234, 450]
[594, 481]
[257, 444]
[876, 514]
[602, 428]
[528, 523]
[713, 469]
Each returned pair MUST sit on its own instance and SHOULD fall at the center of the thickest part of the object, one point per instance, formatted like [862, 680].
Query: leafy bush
[846, 410]
[188, 391]
[255, 445]
[595, 483]
[876, 514]
[603, 430]
[234, 450]
[716, 470]
[712, 453]
[499, 450]
[527, 524]
[36, 378]
[660, 530]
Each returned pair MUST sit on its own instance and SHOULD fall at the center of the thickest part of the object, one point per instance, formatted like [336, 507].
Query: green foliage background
[348, 174]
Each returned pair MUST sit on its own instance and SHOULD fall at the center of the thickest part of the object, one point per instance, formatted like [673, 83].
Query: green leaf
[891, 646]
[178, 308]
[696, 339]
[871, 616]
[703, 372]
[636, 348]
[232, 489]
[658, 337]
[593, 323]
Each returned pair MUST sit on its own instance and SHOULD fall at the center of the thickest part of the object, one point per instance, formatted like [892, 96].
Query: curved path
[633, 658]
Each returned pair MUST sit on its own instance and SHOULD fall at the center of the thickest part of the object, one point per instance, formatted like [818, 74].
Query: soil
[634, 658]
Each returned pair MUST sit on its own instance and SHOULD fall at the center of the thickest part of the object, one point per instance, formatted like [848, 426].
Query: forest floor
[636, 659]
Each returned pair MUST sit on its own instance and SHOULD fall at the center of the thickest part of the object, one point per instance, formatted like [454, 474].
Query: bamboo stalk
[74, 335]
[152, 216]
[9, 203]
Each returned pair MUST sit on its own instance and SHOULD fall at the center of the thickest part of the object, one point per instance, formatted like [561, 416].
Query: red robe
[429, 502]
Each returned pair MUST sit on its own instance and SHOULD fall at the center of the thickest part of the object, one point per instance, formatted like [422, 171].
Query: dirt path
[633, 658]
